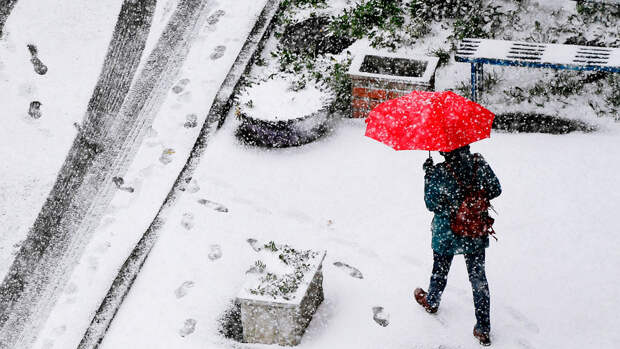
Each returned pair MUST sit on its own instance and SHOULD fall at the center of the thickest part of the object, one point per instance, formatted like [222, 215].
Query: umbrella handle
[429, 155]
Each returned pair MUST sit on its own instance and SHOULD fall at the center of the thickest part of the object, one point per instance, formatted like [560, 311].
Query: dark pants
[477, 277]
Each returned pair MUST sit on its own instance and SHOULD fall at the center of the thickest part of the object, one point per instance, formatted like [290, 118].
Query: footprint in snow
[254, 244]
[191, 121]
[35, 110]
[187, 221]
[189, 326]
[38, 66]
[180, 86]
[119, 181]
[192, 186]
[182, 290]
[216, 252]
[215, 17]
[213, 205]
[354, 272]
[380, 316]
[218, 52]
[166, 156]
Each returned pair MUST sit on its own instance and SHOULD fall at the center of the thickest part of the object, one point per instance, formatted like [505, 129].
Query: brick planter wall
[373, 85]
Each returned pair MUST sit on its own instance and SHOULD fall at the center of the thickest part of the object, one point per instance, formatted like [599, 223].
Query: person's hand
[428, 164]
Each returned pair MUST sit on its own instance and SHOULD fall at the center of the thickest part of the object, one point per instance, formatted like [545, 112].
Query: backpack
[472, 219]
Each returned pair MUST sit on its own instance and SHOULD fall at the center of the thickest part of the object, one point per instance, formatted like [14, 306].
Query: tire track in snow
[215, 118]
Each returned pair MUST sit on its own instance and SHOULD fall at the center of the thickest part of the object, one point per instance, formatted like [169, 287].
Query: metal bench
[527, 54]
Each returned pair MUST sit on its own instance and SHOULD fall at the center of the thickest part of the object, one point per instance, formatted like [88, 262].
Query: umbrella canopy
[424, 120]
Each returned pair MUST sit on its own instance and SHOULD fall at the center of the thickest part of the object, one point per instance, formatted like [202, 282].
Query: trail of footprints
[379, 315]
[189, 325]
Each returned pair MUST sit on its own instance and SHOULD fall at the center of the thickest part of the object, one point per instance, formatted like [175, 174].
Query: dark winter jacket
[443, 194]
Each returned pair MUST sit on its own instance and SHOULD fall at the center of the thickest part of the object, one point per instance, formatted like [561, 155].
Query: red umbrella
[425, 120]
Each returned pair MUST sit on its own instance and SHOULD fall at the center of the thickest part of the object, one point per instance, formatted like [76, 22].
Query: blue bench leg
[476, 81]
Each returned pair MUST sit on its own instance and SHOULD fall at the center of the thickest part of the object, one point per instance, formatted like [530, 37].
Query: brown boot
[420, 297]
[484, 338]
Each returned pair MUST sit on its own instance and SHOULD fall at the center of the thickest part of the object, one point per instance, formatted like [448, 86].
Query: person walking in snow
[446, 186]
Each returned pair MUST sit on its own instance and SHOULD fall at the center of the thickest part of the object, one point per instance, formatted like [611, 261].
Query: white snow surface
[32, 151]
[72, 41]
[129, 214]
[551, 274]
[275, 100]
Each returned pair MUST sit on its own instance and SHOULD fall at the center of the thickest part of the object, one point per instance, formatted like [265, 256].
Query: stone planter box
[378, 78]
[267, 320]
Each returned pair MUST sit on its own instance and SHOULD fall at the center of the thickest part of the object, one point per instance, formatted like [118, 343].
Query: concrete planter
[283, 133]
[274, 320]
[275, 115]
[378, 78]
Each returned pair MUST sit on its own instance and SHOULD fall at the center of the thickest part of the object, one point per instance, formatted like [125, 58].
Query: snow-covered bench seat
[527, 54]
[601, 1]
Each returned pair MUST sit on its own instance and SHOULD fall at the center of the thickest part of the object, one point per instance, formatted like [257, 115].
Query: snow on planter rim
[279, 102]
[273, 257]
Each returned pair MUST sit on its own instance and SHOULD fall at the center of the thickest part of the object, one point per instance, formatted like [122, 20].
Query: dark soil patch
[539, 123]
[393, 66]
[312, 37]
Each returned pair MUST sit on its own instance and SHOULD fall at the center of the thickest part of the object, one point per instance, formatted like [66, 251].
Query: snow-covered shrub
[338, 80]
[491, 80]
[314, 3]
[312, 37]
[405, 24]
[477, 18]
[538, 123]
[439, 10]
[372, 19]
[284, 285]
[280, 271]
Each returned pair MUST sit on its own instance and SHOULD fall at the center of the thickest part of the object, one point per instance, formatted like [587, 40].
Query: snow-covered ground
[72, 42]
[552, 274]
[151, 175]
